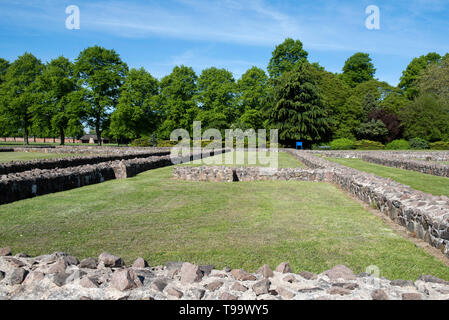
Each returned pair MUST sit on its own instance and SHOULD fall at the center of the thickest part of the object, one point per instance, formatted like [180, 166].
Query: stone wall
[427, 167]
[36, 182]
[59, 276]
[423, 214]
[46, 164]
[403, 154]
[227, 174]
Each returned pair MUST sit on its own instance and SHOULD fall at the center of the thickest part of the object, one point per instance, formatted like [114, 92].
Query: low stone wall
[36, 182]
[59, 276]
[432, 168]
[423, 214]
[44, 164]
[402, 154]
[246, 174]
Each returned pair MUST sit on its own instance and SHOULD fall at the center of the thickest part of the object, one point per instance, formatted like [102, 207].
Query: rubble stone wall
[59, 276]
[423, 214]
[36, 182]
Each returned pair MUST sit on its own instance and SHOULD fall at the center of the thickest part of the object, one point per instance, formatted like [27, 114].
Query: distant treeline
[301, 99]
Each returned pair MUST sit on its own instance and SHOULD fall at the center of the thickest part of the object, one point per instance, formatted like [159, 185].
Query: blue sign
[299, 144]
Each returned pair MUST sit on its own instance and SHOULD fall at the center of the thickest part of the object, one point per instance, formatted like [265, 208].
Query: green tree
[369, 104]
[135, 114]
[335, 92]
[253, 91]
[101, 72]
[61, 107]
[285, 57]
[216, 99]
[358, 69]
[411, 74]
[4, 65]
[176, 103]
[434, 80]
[374, 130]
[427, 118]
[299, 113]
[19, 93]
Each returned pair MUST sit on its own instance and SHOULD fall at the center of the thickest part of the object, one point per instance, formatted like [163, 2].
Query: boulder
[190, 273]
[308, 275]
[285, 293]
[242, 275]
[5, 252]
[284, 267]
[214, 285]
[89, 283]
[18, 276]
[175, 292]
[411, 296]
[197, 293]
[237, 286]
[88, 263]
[111, 261]
[140, 263]
[60, 278]
[58, 267]
[34, 277]
[158, 284]
[123, 280]
[266, 271]
[207, 269]
[261, 287]
[340, 272]
[228, 296]
[379, 294]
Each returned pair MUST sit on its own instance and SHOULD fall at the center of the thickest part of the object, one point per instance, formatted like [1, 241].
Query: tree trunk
[98, 132]
[62, 135]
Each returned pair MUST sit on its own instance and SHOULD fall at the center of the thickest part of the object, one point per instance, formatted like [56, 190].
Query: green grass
[242, 158]
[420, 181]
[314, 226]
[27, 156]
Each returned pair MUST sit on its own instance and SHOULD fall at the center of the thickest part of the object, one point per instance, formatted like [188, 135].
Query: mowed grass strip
[251, 159]
[314, 226]
[420, 181]
[27, 156]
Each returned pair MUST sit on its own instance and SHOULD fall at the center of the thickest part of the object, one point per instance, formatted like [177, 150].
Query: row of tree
[301, 99]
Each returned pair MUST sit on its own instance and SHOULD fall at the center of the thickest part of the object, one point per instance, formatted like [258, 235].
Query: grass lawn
[314, 226]
[27, 156]
[419, 181]
[242, 158]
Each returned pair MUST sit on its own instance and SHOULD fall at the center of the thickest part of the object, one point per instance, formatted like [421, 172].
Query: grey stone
[207, 269]
[290, 278]
[59, 279]
[261, 287]
[190, 273]
[308, 275]
[379, 294]
[2, 275]
[89, 283]
[402, 283]
[89, 263]
[237, 286]
[109, 260]
[285, 293]
[228, 297]
[214, 285]
[411, 296]
[197, 293]
[266, 271]
[123, 280]
[158, 285]
[175, 292]
[338, 291]
[242, 275]
[72, 261]
[58, 267]
[140, 263]
[432, 279]
[18, 276]
[284, 267]
[5, 251]
[340, 272]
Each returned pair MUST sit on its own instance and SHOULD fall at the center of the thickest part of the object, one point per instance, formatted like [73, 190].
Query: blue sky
[236, 35]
